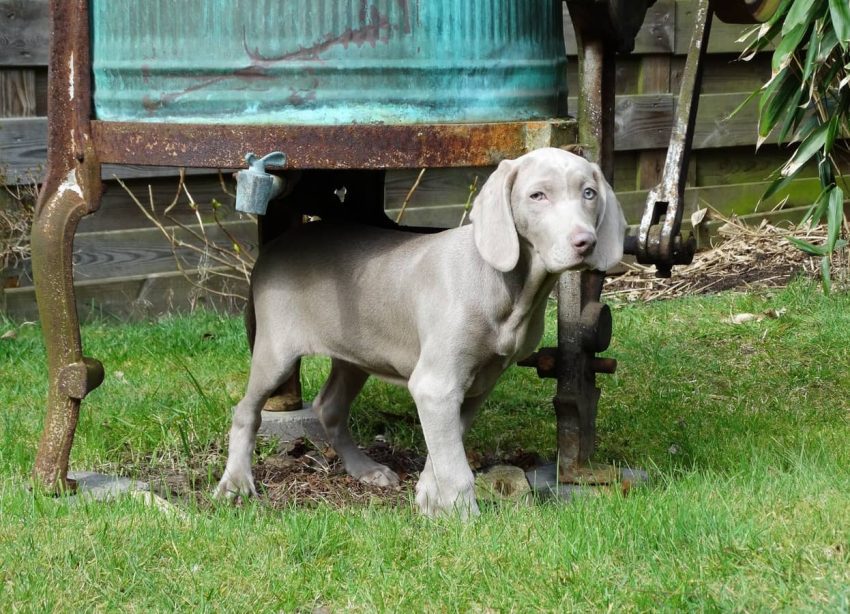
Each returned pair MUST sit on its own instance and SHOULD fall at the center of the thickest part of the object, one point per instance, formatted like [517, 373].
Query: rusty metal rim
[326, 147]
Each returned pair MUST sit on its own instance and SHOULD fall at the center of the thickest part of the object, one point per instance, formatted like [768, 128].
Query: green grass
[744, 429]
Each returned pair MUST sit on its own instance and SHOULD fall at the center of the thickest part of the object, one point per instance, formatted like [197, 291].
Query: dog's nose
[584, 242]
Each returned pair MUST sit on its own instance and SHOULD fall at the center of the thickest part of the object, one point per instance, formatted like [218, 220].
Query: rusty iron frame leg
[71, 375]
[577, 396]
[71, 189]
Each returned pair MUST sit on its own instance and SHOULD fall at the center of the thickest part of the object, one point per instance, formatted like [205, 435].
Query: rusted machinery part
[71, 375]
[658, 240]
[745, 11]
[616, 22]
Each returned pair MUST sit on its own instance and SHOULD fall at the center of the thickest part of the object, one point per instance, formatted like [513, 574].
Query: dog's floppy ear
[493, 222]
[610, 227]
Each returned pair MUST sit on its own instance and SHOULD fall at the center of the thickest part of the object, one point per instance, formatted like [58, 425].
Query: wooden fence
[124, 266]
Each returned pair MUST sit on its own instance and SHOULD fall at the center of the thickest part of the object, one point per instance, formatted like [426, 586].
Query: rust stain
[349, 146]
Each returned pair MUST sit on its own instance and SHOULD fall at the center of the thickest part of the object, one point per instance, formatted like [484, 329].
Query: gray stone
[502, 483]
[286, 426]
[544, 483]
[100, 487]
[93, 486]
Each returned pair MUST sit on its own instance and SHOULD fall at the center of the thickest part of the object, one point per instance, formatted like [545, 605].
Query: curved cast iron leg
[71, 375]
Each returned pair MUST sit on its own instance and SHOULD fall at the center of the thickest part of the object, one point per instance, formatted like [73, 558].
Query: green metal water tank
[320, 62]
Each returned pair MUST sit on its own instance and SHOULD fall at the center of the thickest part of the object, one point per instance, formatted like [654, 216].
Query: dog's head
[557, 202]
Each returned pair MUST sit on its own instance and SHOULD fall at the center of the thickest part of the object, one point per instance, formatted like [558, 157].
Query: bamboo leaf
[817, 210]
[798, 14]
[808, 148]
[825, 173]
[831, 133]
[776, 100]
[805, 246]
[839, 11]
[835, 217]
[788, 46]
[825, 274]
[828, 42]
[811, 53]
[794, 116]
[777, 186]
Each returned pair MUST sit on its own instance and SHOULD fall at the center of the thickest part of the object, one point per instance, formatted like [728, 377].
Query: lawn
[743, 428]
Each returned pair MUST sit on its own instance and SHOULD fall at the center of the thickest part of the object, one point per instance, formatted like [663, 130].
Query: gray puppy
[443, 314]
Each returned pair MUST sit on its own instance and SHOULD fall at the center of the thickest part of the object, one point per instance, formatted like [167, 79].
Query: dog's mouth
[562, 265]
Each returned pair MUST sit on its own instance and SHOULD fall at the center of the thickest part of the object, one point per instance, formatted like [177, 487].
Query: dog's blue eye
[589, 193]
[538, 196]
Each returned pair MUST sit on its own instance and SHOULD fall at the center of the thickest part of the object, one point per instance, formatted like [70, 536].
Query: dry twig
[232, 261]
[744, 257]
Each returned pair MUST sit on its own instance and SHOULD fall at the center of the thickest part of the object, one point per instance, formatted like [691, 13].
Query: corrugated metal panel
[327, 61]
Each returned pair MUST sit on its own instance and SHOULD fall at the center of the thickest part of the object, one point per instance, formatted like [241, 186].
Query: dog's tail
[251, 316]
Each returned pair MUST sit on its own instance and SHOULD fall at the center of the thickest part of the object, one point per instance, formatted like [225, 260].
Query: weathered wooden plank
[23, 148]
[743, 165]
[726, 73]
[24, 32]
[451, 186]
[134, 298]
[653, 78]
[118, 211]
[740, 199]
[144, 251]
[17, 92]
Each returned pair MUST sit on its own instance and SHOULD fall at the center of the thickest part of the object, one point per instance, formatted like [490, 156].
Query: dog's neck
[529, 285]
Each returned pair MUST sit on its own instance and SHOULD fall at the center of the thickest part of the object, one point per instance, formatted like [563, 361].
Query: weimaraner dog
[444, 314]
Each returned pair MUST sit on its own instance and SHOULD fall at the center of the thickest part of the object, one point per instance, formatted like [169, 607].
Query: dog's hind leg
[269, 369]
[333, 406]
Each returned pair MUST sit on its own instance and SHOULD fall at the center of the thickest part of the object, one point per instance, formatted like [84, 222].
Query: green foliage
[807, 102]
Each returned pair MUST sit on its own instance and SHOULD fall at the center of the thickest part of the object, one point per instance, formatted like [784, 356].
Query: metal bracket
[80, 378]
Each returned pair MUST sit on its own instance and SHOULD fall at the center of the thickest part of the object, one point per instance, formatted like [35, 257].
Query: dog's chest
[519, 334]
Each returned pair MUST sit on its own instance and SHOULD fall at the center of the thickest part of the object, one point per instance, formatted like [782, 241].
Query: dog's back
[348, 292]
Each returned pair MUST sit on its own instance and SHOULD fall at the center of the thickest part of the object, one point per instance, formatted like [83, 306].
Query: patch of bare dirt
[307, 477]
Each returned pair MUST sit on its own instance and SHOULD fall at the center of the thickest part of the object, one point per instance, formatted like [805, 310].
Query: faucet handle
[258, 165]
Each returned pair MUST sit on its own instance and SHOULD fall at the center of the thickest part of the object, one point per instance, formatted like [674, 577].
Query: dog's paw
[381, 476]
[233, 485]
[446, 499]
[370, 472]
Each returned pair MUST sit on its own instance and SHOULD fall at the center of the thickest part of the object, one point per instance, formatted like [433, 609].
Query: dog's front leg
[446, 484]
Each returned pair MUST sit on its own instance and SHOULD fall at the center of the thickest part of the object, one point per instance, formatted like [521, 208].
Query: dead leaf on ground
[743, 318]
